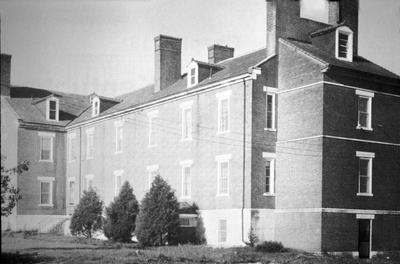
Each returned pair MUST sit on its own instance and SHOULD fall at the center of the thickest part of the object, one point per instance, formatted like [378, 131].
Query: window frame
[119, 136]
[71, 138]
[185, 107]
[192, 66]
[117, 189]
[184, 165]
[271, 157]
[220, 159]
[50, 136]
[151, 127]
[219, 231]
[50, 181]
[222, 96]
[368, 96]
[369, 156]
[89, 178]
[89, 134]
[71, 198]
[349, 52]
[150, 170]
[57, 101]
[270, 91]
[95, 110]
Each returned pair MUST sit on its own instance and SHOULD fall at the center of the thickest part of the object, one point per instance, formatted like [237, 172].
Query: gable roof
[359, 63]
[230, 68]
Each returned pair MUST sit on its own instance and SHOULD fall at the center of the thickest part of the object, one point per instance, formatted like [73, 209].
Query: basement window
[344, 44]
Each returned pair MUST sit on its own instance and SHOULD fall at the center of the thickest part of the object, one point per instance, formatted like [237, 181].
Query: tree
[158, 219]
[87, 217]
[121, 215]
[9, 194]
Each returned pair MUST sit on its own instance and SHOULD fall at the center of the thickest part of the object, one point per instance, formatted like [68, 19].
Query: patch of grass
[24, 258]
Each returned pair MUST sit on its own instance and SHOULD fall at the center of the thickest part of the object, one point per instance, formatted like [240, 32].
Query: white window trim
[219, 231]
[366, 156]
[193, 65]
[51, 136]
[186, 164]
[272, 158]
[89, 177]
[220, 159]
[94, 100]
[273, 92]
[71, 179]
[118, 173]
[48, 180]
[225, 95]
[349, 32]
[151, 115]
[150, 170]
[368, 96]
[185, 106]
[71, 137]
[117, 125]
[89, 131]
[48, 108]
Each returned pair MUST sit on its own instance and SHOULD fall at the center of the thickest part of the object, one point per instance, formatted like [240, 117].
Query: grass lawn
[48, 248]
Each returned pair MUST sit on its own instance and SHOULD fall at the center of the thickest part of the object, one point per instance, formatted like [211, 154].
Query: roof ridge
[288, 43]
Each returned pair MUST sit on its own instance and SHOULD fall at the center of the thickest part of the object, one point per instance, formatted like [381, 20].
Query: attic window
[193, 69]
[95, 106]
[52, 109]
[344, 44]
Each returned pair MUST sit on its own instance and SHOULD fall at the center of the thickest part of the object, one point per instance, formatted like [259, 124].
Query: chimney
[217, 53]
[271, 27]
[5, 74]
[167, 61]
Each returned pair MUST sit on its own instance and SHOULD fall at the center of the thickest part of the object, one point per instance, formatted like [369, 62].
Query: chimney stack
[167, 61]
[5, 74]
[217, 53]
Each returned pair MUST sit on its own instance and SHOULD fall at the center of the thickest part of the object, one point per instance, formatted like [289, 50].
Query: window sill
[269, 194]
[186, 139]
[222, 195]
[117, 152]
[365, 194]
[223, 132]
[185, 198]
[364, 128]
[46, 161]
[270, 129]
[46, 205]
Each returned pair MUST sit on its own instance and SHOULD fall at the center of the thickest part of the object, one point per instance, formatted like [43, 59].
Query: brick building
[299, 141]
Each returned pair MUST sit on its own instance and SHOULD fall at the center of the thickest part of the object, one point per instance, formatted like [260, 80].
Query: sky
[107, 46]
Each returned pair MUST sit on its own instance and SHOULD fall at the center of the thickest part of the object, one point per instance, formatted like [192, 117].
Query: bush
[270, 247]
[87, 217]
[121, 215]
[253, 239]
[158, 219]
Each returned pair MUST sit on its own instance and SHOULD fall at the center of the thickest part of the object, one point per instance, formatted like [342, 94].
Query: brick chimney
[5, 74]
[167, 61]
[284, 20]
[217, 53]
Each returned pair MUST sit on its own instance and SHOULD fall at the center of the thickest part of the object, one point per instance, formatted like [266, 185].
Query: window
[269, 178]
[71, 147]
[222, 230]
[186, 120]
[364, 109]
[71, 187]
[192, 78]
[118, 181]
[186, 178]
[344, 44]
[46, 191]
[187, 220]
[118, 137]
[152, 116]
[89, 182]
[46, 146]
[317, 10]
[223, 111]
[95, 106]
[223, 174]
[365, 173]
[52, 109]
[153, 172]
[270, 107]
[90, 143]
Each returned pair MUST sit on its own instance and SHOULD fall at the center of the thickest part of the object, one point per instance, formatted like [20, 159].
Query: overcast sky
[107, 46]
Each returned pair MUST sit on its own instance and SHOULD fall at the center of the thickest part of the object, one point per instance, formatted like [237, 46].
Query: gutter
[244, 158]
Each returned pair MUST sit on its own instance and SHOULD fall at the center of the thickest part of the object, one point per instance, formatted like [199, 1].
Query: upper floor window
[364, 101]
[223, 111]
[365, 173]
[186, 178]
[52, 109]
[118, 181]
[71, 187]
[152, 116]
[223, 174]
[186, 114]
[95, 106]
[344, 43]
[269, 180]
[89, 182]
[118, 137]
[71, 147]
[192, 78]
[270, 107]
[153, 172]
[90, 143]
[46, 191]
[317, 10]
[46, 146]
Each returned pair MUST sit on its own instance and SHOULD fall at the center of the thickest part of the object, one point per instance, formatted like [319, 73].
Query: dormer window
[52, 109]
[344, 44]
[95, 106]
[193, 69]
[192, 76]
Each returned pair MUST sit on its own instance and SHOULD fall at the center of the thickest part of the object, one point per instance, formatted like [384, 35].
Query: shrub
[158, 219]
[87, 217]
[270, 247]
[253, 239]
[121, 215]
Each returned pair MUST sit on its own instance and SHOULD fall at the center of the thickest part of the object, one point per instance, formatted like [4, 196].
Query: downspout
[80, 163]
[244, 157]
